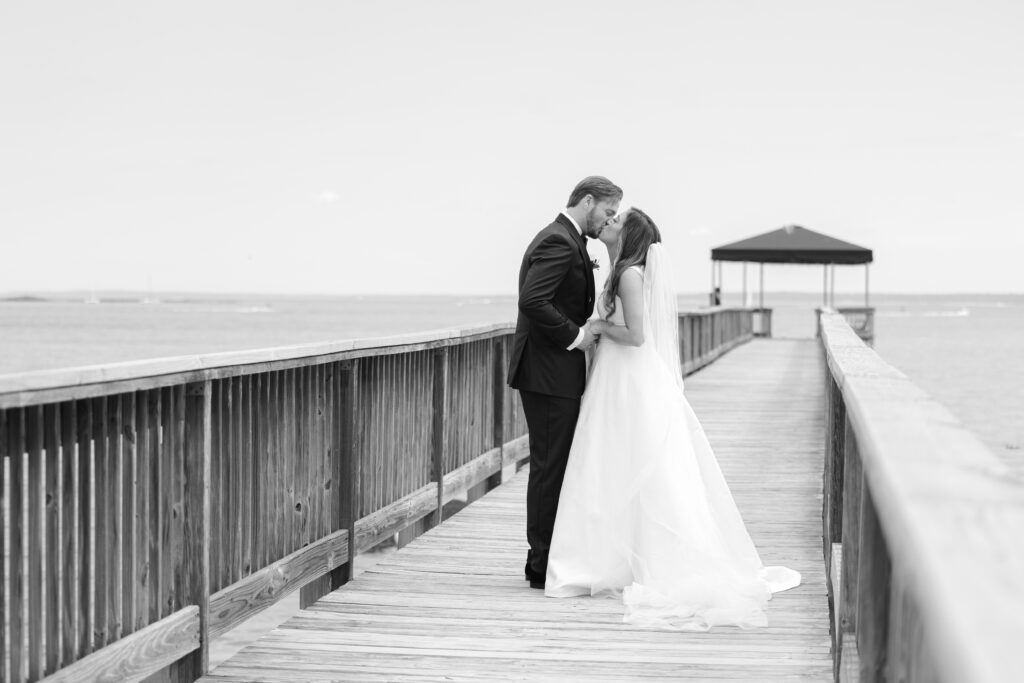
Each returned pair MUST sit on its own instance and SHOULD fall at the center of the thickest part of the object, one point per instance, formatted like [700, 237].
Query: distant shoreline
[128, 297]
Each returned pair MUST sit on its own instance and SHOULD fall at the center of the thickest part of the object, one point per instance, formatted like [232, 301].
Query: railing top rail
[713, 310]
[43, 386]
[22, 388]
[950, 511]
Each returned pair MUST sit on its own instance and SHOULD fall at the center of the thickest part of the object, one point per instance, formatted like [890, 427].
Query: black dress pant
[551, 421]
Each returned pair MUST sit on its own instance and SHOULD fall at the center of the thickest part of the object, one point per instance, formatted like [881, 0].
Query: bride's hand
[598, 326]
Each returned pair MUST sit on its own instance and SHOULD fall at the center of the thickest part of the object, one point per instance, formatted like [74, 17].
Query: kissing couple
[625, 497]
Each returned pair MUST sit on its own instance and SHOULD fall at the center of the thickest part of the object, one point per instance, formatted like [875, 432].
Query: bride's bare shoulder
[633, 275]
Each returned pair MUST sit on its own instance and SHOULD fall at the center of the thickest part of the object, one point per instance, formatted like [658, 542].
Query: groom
[548, 366]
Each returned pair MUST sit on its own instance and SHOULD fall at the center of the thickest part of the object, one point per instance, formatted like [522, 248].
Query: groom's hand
[589, 339]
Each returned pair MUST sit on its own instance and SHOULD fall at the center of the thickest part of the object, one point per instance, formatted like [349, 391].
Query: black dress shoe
[537, 584]
[533, 577]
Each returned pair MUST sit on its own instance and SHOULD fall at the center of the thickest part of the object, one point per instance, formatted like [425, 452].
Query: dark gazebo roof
[792, 244]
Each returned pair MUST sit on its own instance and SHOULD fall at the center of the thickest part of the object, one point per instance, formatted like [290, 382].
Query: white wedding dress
[644, 511]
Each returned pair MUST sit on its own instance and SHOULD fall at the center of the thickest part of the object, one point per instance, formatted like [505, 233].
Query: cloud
[328, 197]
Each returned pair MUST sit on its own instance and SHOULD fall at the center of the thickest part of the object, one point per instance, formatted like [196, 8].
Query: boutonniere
[594, 265]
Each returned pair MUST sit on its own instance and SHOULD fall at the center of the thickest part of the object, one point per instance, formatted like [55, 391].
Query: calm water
[963, 349]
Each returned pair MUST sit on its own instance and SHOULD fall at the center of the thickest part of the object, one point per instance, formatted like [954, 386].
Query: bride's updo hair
[638, 233]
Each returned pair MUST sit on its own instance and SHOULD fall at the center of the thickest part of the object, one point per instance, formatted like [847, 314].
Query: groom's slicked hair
[598, 187]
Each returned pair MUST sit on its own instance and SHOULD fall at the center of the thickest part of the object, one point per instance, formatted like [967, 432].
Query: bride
[644, 511]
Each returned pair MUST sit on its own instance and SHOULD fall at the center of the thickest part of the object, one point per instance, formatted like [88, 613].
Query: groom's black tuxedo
[556, 296]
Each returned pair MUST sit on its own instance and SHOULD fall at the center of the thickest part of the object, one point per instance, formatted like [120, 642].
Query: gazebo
[795, 244]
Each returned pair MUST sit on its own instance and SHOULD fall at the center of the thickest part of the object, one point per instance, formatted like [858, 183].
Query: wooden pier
[147, 508]
[453, 605]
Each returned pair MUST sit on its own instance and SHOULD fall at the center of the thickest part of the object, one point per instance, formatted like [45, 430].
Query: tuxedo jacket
[556, 297]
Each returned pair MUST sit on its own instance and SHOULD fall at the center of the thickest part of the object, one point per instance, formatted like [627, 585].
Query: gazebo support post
[760, 291]
[824, 286]
[744, 284]
[711, 295]
[718, 297]
[867, 282]
[832, 288]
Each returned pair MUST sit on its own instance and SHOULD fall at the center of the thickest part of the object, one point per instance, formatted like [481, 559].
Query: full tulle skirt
[645, 512]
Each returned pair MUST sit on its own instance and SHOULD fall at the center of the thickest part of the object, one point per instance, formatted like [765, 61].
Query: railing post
[498, 391]
[345, 464]
[439, 442]
[196, 550]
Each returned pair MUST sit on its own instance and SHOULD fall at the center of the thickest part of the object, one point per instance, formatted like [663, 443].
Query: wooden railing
[148, 507]
[860, 319]
[922, 530]
[707, 333]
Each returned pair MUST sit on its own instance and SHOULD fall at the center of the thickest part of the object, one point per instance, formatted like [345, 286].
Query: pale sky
[416, 147]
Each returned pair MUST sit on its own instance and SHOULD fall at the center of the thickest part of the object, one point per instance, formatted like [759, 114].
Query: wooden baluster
[853, 479]
[178, 403]
[54, 547]
[15, 590]
[230, 534]
[835, 433]
[84, 527]
[320, 586]
[196, 551]
[155, 511]
[439, 440]
[37, 564]
[247, 453]
[143, 493]
[498, 406]
[100, 538]
[129, 508]
[345, 466]
[873, 577]
[259, 470]
[165, 499]
[5, 674]
[115, 527]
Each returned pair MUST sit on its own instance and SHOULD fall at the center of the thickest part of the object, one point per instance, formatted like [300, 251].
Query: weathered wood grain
[136, 656]
[239, 601]
[469, 475]
[373, 528]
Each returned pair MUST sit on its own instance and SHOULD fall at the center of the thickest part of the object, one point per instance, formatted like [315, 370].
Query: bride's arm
[631, 292]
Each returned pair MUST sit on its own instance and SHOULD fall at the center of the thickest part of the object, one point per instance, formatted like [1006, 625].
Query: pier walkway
[453, 605]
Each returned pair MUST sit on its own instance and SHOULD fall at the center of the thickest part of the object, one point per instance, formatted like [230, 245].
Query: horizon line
[154, 294]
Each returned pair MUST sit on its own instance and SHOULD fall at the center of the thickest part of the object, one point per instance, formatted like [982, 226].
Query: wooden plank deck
[453, 605]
